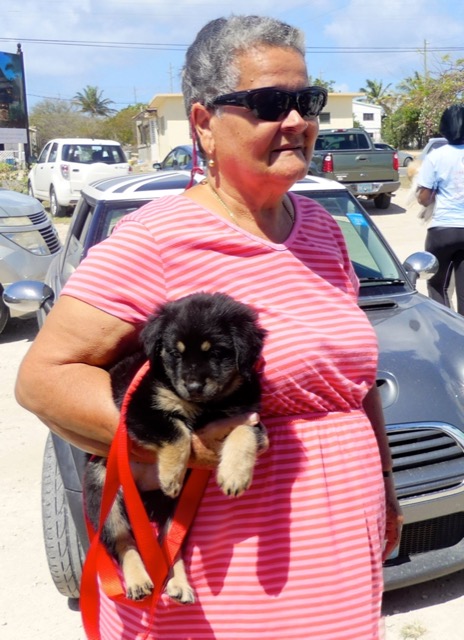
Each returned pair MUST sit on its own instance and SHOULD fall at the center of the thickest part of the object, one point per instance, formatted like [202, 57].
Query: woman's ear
[200, 117]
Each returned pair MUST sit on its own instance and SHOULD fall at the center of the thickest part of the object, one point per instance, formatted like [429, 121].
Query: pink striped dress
[298, 555]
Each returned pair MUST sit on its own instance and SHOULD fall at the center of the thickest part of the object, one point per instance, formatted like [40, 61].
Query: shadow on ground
[17, 330]
[393, 209]
[422, 595]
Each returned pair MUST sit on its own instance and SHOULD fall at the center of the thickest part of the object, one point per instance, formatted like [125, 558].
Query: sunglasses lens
[269, 105]
[311, 103]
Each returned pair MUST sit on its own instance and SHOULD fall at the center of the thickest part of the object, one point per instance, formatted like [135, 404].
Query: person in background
[299, 554]
[441, 181]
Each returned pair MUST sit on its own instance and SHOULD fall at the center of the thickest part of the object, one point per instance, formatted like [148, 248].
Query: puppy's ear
[151, 337]
[248, 340]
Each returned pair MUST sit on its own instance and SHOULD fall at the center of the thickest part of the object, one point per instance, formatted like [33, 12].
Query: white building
[369, 116]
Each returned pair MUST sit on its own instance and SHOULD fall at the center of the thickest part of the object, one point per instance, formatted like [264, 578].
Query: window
[368, 116]
[324, 117]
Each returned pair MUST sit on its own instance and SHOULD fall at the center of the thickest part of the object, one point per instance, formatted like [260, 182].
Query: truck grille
[428, 459]
[48, 233]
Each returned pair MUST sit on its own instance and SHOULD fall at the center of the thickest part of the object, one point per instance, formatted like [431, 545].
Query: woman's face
[250, 150]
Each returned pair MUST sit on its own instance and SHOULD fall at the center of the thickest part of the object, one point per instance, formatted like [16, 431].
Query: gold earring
[211, 163]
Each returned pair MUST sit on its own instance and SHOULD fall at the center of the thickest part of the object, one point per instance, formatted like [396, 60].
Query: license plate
[364, 188]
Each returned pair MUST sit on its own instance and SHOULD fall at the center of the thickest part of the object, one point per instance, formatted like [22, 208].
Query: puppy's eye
[174, 353]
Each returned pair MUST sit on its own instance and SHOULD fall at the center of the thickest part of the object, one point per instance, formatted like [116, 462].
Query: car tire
[65, 555]
[55, 208]
[4, 312]
[382, 201]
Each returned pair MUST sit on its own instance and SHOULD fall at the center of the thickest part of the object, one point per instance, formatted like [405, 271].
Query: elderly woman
[299, 555]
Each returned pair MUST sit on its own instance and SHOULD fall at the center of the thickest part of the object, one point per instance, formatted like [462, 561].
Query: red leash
[157, 559]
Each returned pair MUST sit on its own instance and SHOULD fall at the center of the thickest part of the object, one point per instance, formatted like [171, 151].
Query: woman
[299, 555]
[441, 180]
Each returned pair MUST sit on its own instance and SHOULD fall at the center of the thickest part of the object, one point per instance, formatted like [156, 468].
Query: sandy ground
[30, 605]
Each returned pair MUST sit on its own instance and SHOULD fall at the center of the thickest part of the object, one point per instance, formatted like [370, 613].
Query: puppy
[424, 213]
[202, 351]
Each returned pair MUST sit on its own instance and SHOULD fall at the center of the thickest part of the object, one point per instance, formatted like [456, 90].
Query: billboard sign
[13, 111]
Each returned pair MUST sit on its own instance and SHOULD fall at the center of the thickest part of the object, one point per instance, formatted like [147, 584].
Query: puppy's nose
[194, 386]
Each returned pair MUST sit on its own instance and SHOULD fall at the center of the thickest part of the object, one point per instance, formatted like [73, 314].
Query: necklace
[233, 216]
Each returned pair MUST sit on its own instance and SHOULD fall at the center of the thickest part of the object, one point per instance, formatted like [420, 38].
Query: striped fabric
[298, 555]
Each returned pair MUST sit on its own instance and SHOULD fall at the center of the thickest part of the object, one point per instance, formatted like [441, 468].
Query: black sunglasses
[272, 104]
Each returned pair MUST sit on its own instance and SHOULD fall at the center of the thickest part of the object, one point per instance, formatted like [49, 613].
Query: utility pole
[426, 71]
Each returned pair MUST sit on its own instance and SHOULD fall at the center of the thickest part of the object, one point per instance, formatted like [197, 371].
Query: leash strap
[99, 566]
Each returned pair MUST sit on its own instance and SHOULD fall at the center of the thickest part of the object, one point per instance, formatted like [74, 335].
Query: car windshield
[91, 153]
[373, 262]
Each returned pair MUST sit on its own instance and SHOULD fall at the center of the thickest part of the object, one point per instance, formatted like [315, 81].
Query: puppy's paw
[236, 479]
[139, 591]
[238, 459]
[180, 591]
[171, 486]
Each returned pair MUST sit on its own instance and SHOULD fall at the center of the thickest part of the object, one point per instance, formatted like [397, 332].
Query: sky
[133, 50]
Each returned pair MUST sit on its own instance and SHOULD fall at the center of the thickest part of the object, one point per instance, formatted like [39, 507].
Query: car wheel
[382, 201]
[55, 208]
[4, 312]
[407, 162]
[64, 552]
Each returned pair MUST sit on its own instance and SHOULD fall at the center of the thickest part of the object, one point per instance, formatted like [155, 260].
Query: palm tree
[90, 101]
[376, 93]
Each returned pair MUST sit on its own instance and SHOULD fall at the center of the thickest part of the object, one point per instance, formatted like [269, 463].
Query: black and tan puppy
[203, 350]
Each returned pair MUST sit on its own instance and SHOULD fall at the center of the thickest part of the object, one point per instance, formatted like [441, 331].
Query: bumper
[423, 567]
[372, 189]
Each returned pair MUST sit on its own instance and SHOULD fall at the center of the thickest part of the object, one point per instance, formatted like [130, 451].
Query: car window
[113, 216]
[53, 152]
[91, 153]
[44, 153]
[371, 259]
[170, 161]
[74, 249]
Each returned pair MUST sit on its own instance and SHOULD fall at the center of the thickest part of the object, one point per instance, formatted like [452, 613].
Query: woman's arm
[425, 196]
[394, 517]
[63, 379]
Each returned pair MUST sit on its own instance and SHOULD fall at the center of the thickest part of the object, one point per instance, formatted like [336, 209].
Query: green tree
[376, 93]
[429, 95]
[90, 101]
[327, 84]
[121, 126]
[56, 119]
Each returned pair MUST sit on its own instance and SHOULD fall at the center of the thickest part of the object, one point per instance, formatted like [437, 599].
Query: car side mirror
[421, 264]
[27, 296]
[156, 166]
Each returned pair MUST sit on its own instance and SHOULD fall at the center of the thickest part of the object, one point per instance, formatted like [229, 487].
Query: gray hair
[210, 68]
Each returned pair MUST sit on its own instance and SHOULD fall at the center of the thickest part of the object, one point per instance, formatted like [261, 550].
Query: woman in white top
[441, 179]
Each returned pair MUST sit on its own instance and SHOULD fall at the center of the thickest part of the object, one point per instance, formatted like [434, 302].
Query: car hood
[421, 361]
[14, 204]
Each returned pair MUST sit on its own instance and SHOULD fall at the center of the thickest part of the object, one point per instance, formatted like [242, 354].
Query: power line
[182, 47]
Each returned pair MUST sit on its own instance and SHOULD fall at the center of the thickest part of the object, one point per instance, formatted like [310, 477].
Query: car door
[43, 169]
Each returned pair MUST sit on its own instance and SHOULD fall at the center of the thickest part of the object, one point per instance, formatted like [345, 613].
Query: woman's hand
[394, 518]
[207, 442]
[206, 448]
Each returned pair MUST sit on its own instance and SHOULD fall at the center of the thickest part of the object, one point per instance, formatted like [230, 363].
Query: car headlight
[30, 240]
[18, 221]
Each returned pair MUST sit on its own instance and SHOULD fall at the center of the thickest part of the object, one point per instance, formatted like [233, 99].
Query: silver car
[28, 243]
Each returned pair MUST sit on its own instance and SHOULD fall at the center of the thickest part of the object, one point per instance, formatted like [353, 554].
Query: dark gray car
[420, 377]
